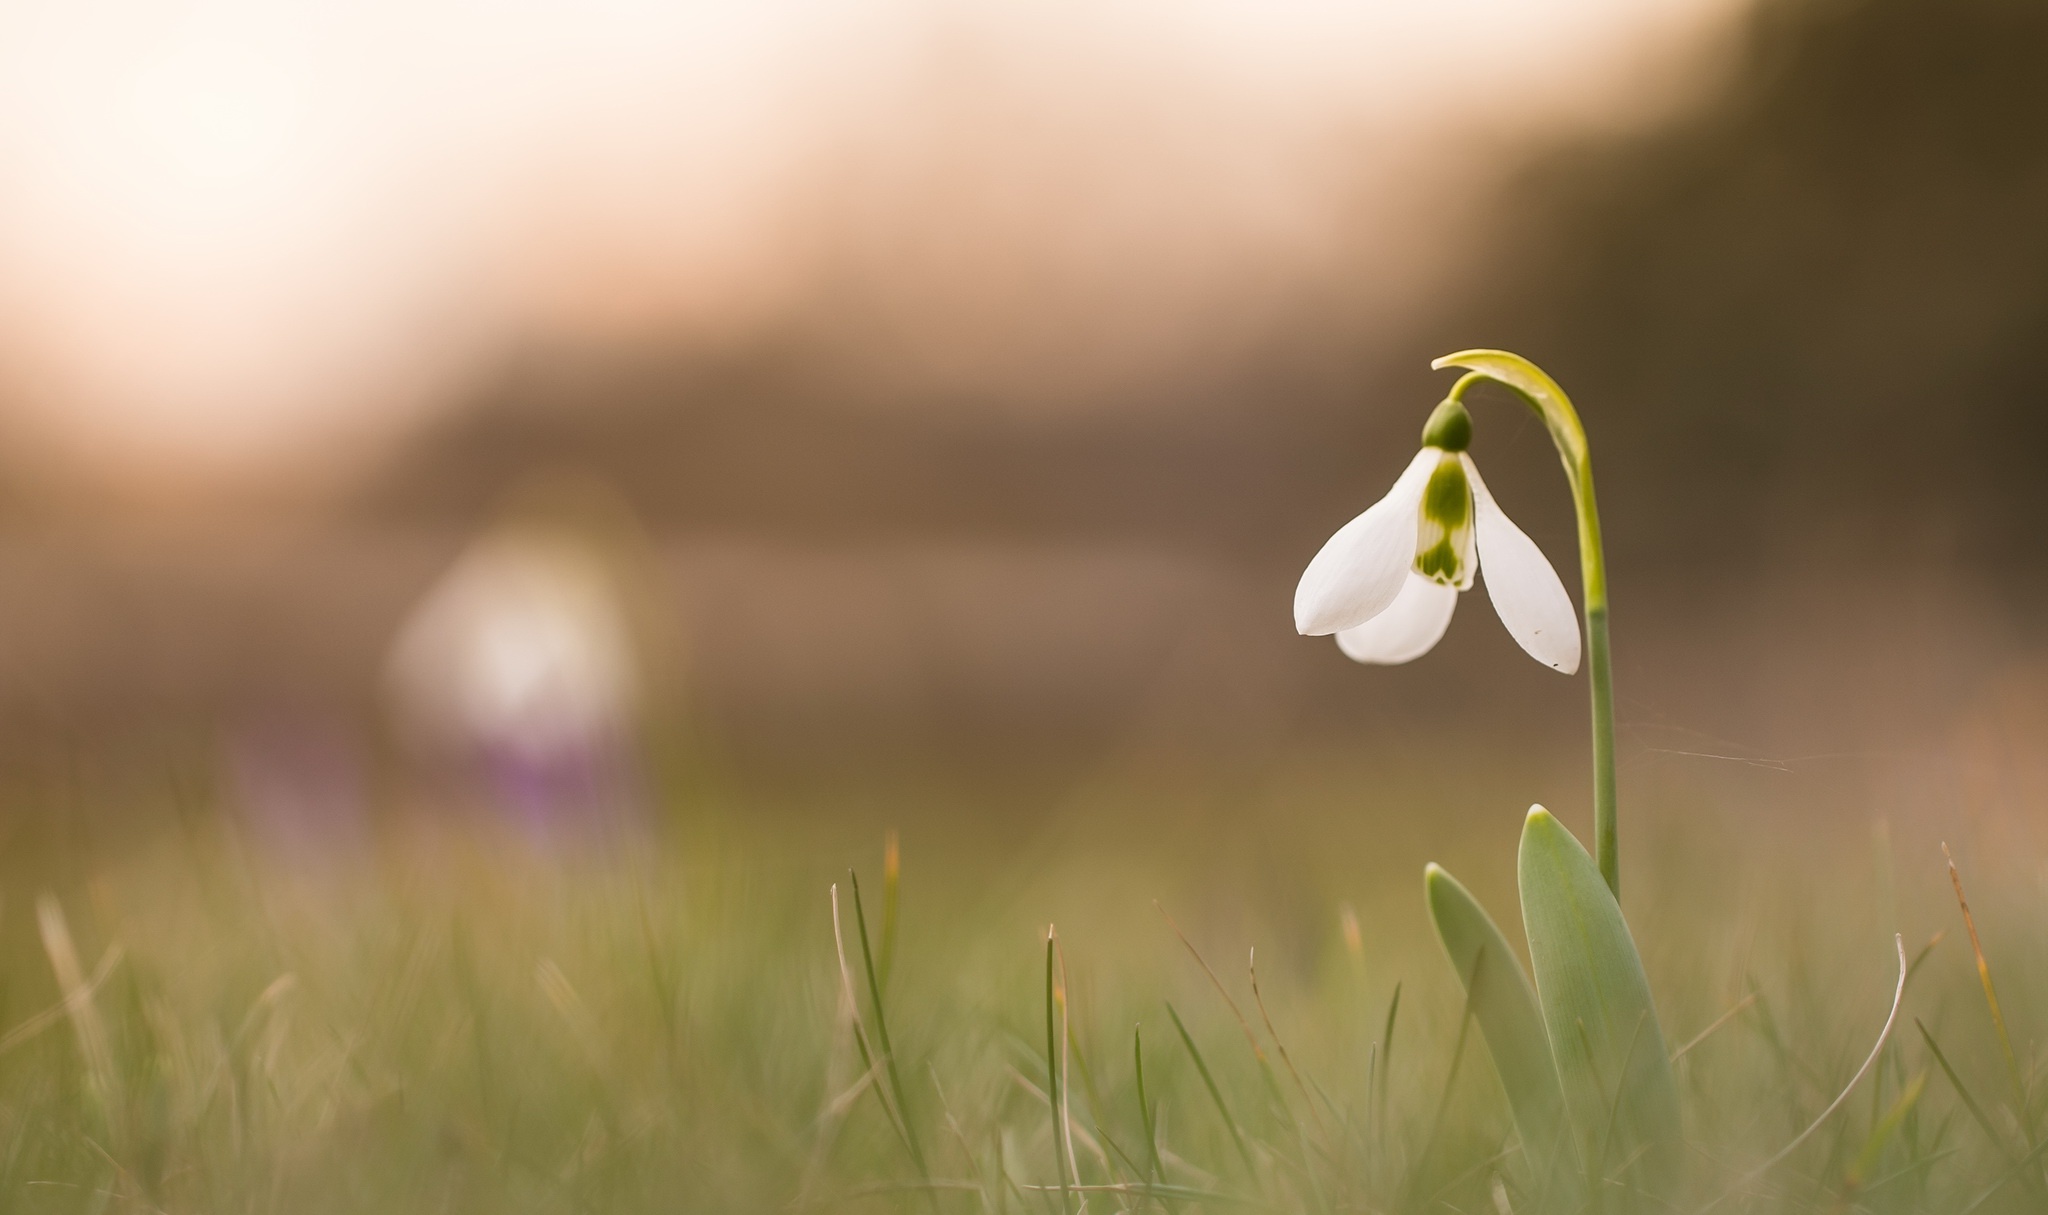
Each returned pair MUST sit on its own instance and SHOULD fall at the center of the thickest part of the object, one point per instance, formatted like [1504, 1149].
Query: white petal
[1524, 588]
[1358, 573]
[1408, 629]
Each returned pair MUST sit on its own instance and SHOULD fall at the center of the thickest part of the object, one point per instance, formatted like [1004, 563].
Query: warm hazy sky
[234, 236]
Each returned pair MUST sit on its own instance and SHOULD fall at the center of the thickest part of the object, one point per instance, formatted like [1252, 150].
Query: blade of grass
[1003, 1182]
[2012, 1063]
[958, 1132]
[1159, 1191]
[1876, 1086]
[1925, 951]
[1884, 1035]
[1075, 1058]
[868, 1060]
[1963, 1092]
[1273, 1091]
[1711, 1030]
[1443, 1097]
[1149, 1117]
[1387, 1027]
[1908, 1170]
[2004, 1179]
[1066, 1111]
[1221, 990]
[93, 1043]
[1052, 1072]
[1386, 1057]
[1259, 1000]
[43, 1020]
[1077, 1138]
[1319, 1201]
[887, 1051]
[880, 1188]
[828, 1123]
[1881, 1133]
[837, 1106]
[1471, 1171]
[1167, 1156]
[1156, 1173]
[1765, 1023]
[1215, 1094]
[1116, 1152]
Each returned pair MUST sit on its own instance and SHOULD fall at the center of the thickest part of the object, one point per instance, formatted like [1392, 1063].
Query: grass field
[456, 1019]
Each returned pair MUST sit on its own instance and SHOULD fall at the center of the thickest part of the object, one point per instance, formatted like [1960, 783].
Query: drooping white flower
[1387, 582]
[523, 647]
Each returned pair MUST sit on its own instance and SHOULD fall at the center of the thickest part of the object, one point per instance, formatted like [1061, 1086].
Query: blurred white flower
[522, 649]
[1387, 582]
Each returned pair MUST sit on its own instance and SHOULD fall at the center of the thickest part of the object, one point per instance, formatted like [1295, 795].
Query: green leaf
[1881, 1134]
[1504, 1005]
[1611, 1058]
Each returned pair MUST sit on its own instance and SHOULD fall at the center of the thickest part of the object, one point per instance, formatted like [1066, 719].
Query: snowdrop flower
[523, 645]
[520, 675]
[1387, 582]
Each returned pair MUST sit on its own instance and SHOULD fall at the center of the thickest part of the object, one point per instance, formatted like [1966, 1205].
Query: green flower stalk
[1385, 585]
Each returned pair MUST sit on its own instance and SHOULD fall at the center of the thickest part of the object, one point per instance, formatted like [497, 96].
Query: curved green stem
[1562, 421]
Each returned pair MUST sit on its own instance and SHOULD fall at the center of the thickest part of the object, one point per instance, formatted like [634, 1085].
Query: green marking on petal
[1443, 529]
[1448, 496]
[1439, 562]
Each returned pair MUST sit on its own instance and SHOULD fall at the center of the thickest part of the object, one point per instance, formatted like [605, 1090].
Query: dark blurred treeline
[1802, 321]
[1813, 314]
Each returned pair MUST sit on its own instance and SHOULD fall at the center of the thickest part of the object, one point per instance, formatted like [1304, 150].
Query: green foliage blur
[460, 1021]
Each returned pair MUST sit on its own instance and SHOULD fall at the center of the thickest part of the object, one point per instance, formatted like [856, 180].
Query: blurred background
[852, 412]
